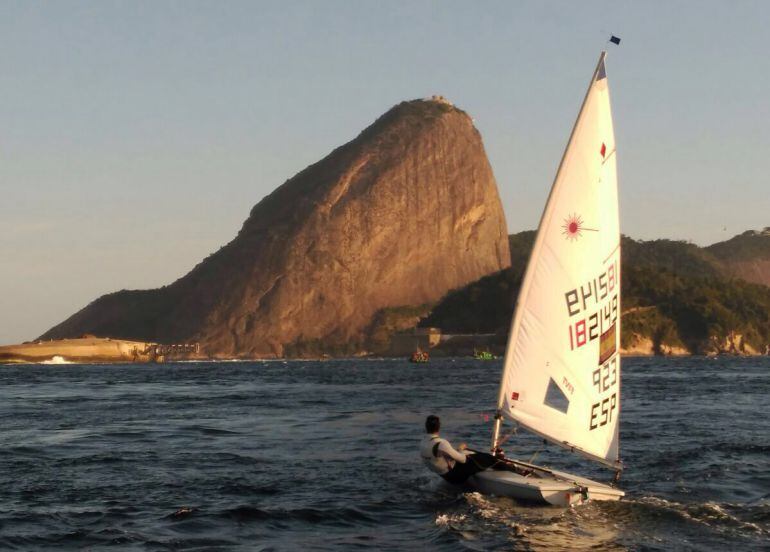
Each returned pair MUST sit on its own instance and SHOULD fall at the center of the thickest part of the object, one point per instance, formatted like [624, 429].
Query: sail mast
[524, 292]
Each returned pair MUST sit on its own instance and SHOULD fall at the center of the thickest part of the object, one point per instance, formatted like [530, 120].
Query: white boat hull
[543, 485]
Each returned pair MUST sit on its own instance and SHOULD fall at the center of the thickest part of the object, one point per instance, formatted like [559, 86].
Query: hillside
[701, 314]
[746, 256]
[677, 297]
[398, 216]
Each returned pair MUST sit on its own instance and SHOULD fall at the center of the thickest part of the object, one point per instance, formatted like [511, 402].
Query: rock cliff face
[746, 256]
[400, 215]
[756, 271]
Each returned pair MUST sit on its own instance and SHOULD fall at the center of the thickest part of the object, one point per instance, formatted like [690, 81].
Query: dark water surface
[323, 455]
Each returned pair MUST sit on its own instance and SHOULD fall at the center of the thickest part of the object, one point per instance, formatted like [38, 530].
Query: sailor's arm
[447, 449]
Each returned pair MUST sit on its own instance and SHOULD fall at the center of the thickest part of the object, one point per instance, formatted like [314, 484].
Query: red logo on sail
[573, 225]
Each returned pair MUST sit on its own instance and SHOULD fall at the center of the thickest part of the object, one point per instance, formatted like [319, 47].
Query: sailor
[453, 465]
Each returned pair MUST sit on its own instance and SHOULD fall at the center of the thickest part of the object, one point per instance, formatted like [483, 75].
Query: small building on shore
[440, 344]
[405, 343]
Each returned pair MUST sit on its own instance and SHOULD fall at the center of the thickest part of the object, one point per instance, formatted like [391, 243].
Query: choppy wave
[743, 518]
[602, 526]
[323, 456]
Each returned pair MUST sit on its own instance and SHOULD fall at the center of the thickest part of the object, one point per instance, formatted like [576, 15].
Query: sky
[136, 136]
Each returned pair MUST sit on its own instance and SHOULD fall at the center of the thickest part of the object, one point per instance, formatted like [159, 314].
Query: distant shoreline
[105, 360]
[92, 350]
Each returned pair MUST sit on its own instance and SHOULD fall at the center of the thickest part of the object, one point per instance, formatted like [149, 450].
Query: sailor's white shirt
[446, 455]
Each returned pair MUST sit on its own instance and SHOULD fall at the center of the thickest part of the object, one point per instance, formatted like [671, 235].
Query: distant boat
[419, 356]
[483, 355]
[561, 374]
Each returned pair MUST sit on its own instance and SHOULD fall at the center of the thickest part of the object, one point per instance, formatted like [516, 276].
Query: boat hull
[543, 486]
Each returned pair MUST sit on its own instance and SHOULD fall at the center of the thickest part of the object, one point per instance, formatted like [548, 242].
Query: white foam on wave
[584, 527]
[57, 360]
[493, 511]
[448, 520]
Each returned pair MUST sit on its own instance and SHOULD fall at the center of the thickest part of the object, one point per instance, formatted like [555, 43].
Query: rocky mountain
[677, 297]
[398, 216]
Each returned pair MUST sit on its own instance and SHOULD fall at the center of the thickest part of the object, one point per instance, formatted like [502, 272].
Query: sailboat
[561, 374]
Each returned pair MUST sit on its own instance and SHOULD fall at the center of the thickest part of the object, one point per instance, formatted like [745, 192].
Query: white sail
[561, 377]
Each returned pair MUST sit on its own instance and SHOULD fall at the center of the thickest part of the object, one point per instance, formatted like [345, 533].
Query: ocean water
[323, 456]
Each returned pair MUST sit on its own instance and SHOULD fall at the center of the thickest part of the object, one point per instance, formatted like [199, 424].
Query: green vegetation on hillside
[520, 245]
[704, 311]
[390, 321]
[674, 293]
[649, 322]
[747, 246]
[483, 307]
[679, 257]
